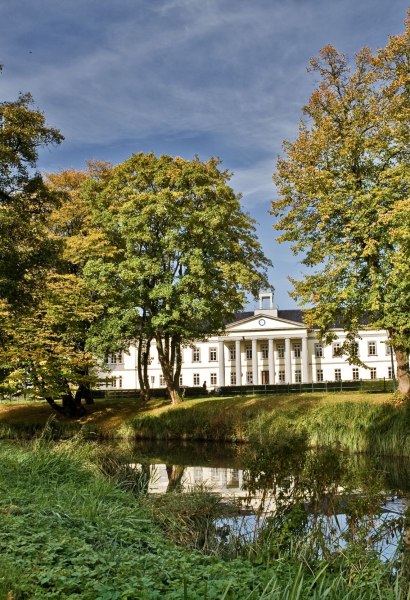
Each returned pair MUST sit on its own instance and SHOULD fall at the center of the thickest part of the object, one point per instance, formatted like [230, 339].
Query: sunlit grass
[355, 421]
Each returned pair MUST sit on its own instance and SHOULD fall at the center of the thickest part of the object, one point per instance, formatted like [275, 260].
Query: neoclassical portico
[267, 349]
[269, 366]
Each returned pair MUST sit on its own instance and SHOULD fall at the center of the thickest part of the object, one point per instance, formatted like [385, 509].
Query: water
[325, 500]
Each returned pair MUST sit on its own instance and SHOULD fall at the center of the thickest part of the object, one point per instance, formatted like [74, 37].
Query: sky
[224, 78]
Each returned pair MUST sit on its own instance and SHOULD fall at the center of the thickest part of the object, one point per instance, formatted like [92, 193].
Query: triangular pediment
[262, 322]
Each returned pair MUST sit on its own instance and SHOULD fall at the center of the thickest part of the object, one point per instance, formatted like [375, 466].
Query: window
[196, 379]
[248, 352]
[249, 377]
[319, 375]
[233, 378]
[116, 358]
[372, 348]
[119, 382]
[318, 350]
[355, 349]
[336, 346]
[373, 373]
[265, 377]
[388, 349]
[196, 355]
[180, 381]
[213, 379]
[281, 350]
[212, 354]
[338, 374]
[265, 351]
[232, 352]
[281, 376]
[296, 350]
[161, 381]
[390, 372]
[298, 376]
[152, 380]
[355, 374]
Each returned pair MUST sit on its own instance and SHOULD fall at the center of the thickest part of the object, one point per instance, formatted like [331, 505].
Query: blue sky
[220, 78]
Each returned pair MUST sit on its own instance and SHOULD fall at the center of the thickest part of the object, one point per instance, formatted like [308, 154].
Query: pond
[283, 495]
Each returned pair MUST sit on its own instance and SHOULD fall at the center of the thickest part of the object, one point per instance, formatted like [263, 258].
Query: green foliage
[67, 532]
[343, 187]
[322, 420]
[25, 202]
[183, 254]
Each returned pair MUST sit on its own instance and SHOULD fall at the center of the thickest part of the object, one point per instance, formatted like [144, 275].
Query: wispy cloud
[221, 77]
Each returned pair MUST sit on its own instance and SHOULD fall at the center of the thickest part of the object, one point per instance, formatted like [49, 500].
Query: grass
[67, 531]
[355, 421]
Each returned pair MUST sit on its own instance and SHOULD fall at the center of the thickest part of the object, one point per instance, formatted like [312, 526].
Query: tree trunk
[167, 371]
[142, 366]
[83, 391]
[178, 363]
[403, 374]
[175, 473]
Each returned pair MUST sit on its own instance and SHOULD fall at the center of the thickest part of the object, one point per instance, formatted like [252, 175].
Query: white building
[265, 346]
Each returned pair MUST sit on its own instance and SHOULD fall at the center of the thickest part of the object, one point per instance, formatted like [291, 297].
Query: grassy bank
[359, 422]
[354, 421]
[69, 532]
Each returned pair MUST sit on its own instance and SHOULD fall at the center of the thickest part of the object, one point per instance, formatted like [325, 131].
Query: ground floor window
[355, 374]
[196, 379]
[319, 375]
[180, 381]
[249, 377]
[233, 378]
[213, 379]
[373, 373]
[161, 381]
[338, 374]
[152, 380]
[119, 382]
[298, 376]
[390, 372]
[281, 376]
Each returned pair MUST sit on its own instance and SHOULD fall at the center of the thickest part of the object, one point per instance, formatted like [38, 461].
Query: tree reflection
[318, 504]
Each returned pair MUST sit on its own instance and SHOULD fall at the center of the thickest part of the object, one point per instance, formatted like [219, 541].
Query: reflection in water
[322, 501]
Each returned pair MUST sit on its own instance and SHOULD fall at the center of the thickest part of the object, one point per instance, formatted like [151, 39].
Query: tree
[184, 256]
[47, 343]
[25, 201]
[344, 197]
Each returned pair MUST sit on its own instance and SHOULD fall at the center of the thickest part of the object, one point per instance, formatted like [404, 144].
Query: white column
[288, 362]
[238, 367]
[255, 378]
[305, 361]
[221, 357]
[271, 361]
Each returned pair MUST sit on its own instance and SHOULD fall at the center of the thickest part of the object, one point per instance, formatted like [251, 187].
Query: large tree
[344, 197]
[25, 201]
[184, 257]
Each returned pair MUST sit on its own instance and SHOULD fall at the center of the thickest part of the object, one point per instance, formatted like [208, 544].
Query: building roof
[295, 315]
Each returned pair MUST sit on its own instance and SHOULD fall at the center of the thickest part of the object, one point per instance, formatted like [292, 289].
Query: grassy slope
[66, 532]
[354, 421]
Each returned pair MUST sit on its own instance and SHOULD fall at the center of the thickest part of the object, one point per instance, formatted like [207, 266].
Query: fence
[363, 385]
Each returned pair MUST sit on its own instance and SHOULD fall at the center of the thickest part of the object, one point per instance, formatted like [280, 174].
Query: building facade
[265, 346]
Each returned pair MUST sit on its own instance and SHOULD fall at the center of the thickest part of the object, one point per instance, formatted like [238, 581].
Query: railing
[363, 385]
